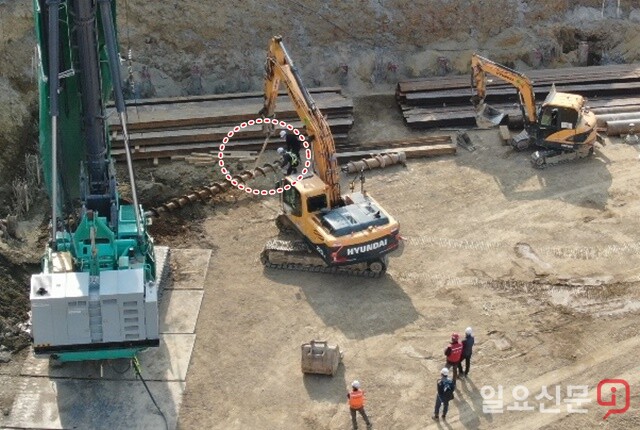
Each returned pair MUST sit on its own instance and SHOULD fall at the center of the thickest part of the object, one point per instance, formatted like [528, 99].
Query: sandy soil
[543, 264]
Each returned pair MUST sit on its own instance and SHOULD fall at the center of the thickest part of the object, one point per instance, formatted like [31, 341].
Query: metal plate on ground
[179, 311]
[59, 403]
[189, 268]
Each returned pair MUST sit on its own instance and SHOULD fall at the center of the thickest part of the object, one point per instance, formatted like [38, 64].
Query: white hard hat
[468, 330]
[444, 371]
[280, 150]
[356, 385]
[283, 134]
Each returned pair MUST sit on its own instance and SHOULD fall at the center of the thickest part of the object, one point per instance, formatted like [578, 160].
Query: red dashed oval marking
[254, 191]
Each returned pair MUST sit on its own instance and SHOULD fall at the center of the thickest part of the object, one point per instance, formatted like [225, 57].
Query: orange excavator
[332, 232]
[563, 125]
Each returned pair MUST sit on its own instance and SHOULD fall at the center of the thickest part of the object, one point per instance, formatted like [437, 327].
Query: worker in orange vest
[356, 404]
[454, 354]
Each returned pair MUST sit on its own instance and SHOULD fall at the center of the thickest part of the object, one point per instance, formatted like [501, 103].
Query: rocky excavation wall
[191, 46]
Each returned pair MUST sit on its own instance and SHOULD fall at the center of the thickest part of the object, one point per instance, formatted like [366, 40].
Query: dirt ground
[541, 263]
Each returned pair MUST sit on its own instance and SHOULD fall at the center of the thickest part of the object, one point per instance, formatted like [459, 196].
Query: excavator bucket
[487, 116]
[321, 358]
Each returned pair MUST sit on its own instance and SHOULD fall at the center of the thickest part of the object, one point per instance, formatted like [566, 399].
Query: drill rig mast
[96, 297]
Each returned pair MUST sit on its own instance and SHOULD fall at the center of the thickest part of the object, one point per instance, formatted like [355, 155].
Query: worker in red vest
[356, 404]
[454, 354]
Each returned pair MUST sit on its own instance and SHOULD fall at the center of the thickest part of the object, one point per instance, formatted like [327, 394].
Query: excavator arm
[480, 66]
[280, 69]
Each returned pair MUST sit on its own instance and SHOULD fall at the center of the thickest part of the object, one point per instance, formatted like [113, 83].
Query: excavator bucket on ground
[321, 358]
[487, 116]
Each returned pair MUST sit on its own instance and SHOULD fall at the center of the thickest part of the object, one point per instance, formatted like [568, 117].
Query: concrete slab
[179, 311]
[189, 268]
[74, 403]
[169, 362]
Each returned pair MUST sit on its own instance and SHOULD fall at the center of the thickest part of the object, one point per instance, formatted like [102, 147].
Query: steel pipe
[619, 127]
[379, 161]
[602, 120]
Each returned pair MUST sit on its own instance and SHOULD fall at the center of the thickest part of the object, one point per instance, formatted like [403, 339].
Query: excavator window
[317, 203]
[548, 116]
[568, 118]
[558, 117]
[292, 201]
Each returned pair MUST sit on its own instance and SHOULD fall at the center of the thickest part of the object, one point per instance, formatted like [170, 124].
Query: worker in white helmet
[289, 162]
[444, 395]
[293, 142]
[356, 404]
[467, 350]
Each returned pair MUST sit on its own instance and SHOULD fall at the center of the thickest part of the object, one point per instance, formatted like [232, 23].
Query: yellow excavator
[562, 125]
[333, 233]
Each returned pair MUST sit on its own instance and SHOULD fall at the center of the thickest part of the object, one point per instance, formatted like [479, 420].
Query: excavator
[332, 233]
[563, 125]
[96, 296]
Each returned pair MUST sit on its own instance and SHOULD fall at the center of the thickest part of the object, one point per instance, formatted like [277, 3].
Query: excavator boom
[279, 69]
[480, 66]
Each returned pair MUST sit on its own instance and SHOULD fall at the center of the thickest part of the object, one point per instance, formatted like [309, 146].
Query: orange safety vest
[356, 399]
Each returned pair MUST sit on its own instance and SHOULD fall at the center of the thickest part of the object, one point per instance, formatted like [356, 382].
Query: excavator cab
[301, 198]
[562, 120]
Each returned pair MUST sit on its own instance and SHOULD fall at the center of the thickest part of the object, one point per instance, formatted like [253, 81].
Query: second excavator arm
[480, 66]
[280, 69]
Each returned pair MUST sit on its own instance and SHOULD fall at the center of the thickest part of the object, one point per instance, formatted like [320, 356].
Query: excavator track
[296, 255]
[543, 159]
